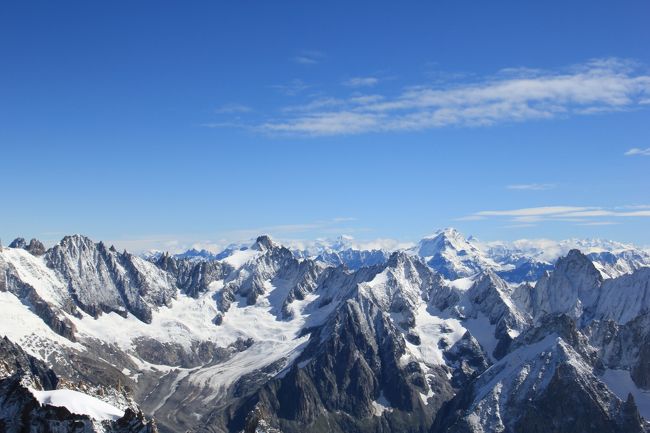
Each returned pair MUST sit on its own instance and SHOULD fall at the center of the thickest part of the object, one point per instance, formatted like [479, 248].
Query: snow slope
[78, 403]
[621, 384]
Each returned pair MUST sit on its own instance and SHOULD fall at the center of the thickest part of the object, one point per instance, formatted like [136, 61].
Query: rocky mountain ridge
[266, 339]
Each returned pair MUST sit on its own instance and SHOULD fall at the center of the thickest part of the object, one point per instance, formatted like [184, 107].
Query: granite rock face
[101, 280]
[35, 246]
[193, 277]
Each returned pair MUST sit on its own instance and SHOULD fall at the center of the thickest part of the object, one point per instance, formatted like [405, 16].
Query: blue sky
[168, 124]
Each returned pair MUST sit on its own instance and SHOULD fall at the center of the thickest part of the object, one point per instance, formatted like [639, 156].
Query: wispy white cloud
[361, 82]
[598, 86]
[532, 186]
[599, 223]
[633, 207]
[382, 244]
[534, 211]
[334, 123]
[635, 151]
[309, 57]
[581, 215]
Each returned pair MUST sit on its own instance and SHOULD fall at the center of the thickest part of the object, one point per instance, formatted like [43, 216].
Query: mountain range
[449, 335]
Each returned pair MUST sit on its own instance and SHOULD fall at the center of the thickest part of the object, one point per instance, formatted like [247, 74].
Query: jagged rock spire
[263, 243]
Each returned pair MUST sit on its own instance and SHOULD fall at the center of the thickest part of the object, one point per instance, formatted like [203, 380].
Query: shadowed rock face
[553, 389]
[352, 377]
[578, 412]
[21, 412]
[18, 243]
[193, 277]
[35, 246]
[641, 368]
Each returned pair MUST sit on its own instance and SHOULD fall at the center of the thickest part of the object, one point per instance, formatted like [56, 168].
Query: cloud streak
[581, 215]
[635, 151]
[361, 82]
[309, 57]
[603, 85]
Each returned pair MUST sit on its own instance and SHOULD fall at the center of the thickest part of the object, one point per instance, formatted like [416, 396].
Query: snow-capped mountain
[453, 255]
[193, 253]
[342, 251]
[266, 338]
[611, 258]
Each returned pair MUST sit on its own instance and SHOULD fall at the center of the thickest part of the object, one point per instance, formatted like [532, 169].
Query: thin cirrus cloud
[361, 82]
[309, 57]
[333, 224]
[598, 86]
[635, 151]
[582, 215]
[531, 186]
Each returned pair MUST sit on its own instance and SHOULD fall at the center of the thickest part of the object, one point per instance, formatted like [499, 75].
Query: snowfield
[78, 403]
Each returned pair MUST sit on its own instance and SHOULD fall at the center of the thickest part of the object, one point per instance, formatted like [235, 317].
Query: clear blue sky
[155, 123]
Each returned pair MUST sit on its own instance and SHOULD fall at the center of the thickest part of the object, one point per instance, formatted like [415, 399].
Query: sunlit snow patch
[78, 403]
[238, 258]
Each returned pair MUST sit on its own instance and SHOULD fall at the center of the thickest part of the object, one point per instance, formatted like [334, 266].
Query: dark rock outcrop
[35, 247]
[20, 412]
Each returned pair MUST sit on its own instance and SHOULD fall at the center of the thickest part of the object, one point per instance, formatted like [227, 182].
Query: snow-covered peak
[571, 288]
[342, 242]
[196, 254]
[76, 242]
[450, 253]
[102, 280]
[324, 246]
[402, 285]
[611, 258]
[441, 240]
[153, 255]
[626, 297]
[259, 310]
